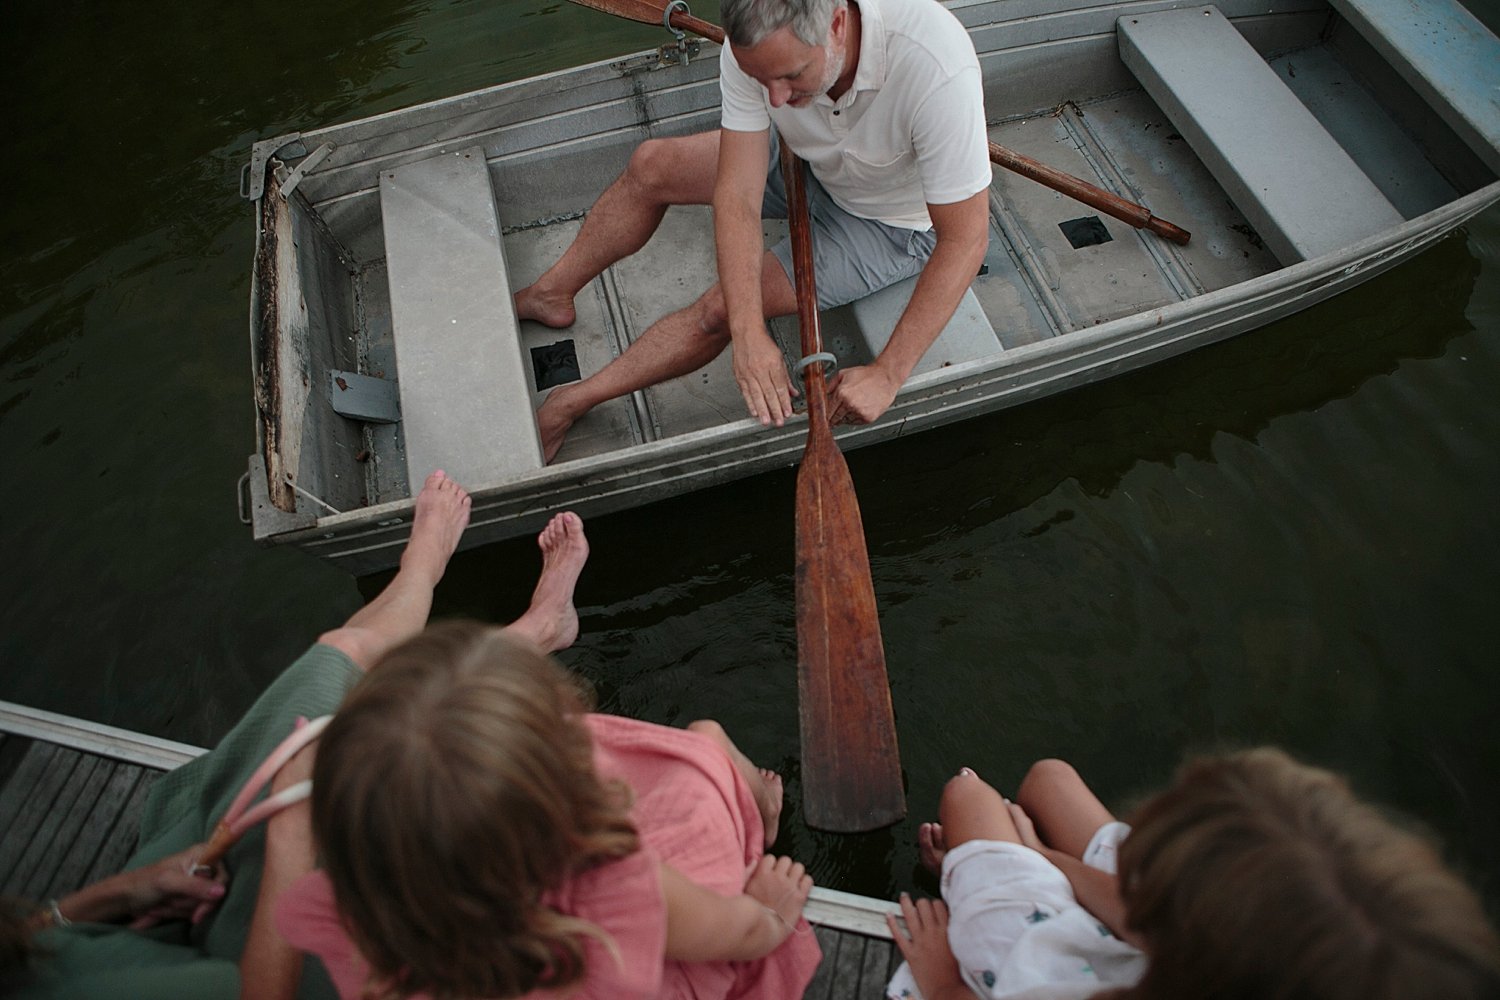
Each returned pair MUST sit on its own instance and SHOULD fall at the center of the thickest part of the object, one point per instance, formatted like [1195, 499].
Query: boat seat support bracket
[290, 180]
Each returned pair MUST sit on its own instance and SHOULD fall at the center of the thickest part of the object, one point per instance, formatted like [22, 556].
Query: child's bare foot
[555, 417]
[547, 309]
[552, 621]
[769, 797]
[931, 847]
[765, 784]
[782, 885]
[442, 514]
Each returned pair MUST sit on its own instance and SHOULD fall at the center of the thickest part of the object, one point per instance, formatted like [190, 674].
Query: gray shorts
[852, 257]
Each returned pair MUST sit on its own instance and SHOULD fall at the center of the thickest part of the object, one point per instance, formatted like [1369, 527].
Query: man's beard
[833, 68]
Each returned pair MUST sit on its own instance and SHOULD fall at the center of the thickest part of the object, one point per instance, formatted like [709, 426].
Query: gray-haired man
[883, 98]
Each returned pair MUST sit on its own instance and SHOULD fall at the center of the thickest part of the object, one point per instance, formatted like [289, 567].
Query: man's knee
[711, 315]
[658, 166]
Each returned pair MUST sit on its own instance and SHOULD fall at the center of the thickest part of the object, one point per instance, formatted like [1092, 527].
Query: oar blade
[851, 767]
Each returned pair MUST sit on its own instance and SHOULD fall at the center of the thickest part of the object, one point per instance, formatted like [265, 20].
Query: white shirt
[910, 130]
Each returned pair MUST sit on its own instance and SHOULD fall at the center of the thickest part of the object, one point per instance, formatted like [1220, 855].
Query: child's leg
[971, 809]
[1061, 806]
[764, 783]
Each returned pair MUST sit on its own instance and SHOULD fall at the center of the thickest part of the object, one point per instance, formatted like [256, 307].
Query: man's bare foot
[931, 847]
[442, 514]
[552, 621]
[555, 311]
[555, 417]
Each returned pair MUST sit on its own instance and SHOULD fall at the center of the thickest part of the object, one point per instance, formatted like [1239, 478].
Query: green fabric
[174, 961]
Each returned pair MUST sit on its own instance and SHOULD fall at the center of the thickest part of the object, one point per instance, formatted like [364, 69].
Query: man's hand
[860, 395]
[761, 374]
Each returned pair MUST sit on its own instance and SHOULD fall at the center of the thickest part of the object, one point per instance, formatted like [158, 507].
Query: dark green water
[1289, 538]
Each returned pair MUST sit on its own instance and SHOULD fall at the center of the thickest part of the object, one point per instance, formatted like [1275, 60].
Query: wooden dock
[71, 795]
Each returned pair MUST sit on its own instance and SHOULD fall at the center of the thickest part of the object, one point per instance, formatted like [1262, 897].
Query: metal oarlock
[666, 17]
[822, 357]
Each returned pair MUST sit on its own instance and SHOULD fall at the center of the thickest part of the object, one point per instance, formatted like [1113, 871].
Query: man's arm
[759, 368]
[861, 394]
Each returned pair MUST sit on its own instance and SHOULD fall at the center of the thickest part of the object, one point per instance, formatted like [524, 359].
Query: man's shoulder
[925, 31]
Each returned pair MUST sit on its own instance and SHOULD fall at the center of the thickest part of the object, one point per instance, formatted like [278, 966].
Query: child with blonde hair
[483, 835]
[1253, 876]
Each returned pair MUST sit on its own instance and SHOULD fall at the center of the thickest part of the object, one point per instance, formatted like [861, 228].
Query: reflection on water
[1285, 538]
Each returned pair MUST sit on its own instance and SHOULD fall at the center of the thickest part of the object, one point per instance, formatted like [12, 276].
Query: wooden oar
[851, 767]
[1139, 216]
[651, 11]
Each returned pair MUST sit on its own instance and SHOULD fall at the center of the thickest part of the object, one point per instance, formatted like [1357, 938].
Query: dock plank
[122, 840]
[62, 829]
[26, 801]
[99, 826]
[821, 986]
[72, 817]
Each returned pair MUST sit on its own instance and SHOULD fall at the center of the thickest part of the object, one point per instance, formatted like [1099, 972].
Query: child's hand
[782, 885]
[1025, 827]
[926, 950]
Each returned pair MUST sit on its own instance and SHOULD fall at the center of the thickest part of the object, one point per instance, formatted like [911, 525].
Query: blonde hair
[1257, 876]
[454, 786]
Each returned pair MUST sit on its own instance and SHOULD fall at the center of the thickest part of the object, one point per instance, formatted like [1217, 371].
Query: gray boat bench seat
[1295, 184]
[1447, 55]
[967, 337]
[465, 394]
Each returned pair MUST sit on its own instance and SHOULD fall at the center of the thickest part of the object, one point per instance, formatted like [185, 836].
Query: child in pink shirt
[484, 837]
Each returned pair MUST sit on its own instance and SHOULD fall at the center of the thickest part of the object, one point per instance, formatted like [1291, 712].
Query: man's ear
[839, 26]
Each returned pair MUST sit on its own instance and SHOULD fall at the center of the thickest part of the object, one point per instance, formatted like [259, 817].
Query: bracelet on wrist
[52, 915]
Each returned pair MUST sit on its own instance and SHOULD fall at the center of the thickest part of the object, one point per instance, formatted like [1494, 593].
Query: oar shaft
[698, 26]
[806, 286]
[1138, 216]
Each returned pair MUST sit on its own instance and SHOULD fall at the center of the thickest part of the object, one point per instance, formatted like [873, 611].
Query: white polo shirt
[909, 131]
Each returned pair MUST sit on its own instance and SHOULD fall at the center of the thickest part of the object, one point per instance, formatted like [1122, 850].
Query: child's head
[1257, 876]
[454, 786]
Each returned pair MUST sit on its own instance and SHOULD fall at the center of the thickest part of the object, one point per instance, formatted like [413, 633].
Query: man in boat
[884, 100]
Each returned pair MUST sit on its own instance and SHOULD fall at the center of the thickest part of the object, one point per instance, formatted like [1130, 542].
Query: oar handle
[1138, 216]
[805, 281]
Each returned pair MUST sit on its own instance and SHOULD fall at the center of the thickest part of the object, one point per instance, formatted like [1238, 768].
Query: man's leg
[551, 622]
[400, 610]
[677, 344]
[661, 173]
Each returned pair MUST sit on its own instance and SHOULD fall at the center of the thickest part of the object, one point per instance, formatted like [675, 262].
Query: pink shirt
[694, 811]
